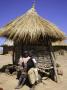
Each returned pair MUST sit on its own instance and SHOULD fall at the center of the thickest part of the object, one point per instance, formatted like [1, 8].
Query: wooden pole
[53, 60]
[13, 56]
[55, 69]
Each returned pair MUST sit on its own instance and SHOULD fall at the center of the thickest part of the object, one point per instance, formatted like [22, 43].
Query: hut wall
[56, 48]
[7, 49]
[60, 49]
[17, 50]
[42, 56]
[40, 53]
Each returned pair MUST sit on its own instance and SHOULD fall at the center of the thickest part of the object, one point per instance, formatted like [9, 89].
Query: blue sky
[53, 10]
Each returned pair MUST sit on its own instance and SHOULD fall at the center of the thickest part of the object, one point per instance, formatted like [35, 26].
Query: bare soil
[9, 82]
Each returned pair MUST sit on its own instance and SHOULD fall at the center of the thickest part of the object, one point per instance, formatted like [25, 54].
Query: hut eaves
[59, 43]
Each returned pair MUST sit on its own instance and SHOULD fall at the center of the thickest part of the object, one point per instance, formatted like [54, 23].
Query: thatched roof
[8, 43]
[59, 43]
[30, 27]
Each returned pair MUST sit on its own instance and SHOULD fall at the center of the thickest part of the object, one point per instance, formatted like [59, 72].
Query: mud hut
[60, 47]
[32, 32]
[7, 46]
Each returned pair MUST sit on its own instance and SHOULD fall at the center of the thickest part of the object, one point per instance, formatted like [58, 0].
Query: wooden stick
[54, 62]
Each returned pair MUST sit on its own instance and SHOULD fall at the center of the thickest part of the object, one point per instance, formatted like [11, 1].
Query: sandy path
[10, 82]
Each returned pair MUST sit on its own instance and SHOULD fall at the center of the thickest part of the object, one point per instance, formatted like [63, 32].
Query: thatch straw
[8, 43]
[31, 27]
[59, 43]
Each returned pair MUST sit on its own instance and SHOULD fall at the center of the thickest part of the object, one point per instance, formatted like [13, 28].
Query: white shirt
[25, 60]
[22, 59]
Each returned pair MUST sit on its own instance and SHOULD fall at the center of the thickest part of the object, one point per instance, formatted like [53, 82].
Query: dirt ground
[8, 82]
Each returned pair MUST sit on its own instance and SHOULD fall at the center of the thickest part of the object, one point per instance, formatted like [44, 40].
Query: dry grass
[31, 27]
